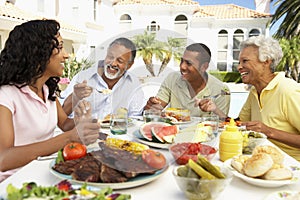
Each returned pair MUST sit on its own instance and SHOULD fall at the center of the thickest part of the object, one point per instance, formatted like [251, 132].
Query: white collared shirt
[126, 93]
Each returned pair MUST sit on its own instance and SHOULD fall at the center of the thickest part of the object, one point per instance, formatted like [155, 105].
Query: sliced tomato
[154, 158]
[74, 151]
[182, 152]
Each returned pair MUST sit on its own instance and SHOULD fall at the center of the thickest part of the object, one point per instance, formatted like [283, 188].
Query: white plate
[285, 194]
[142, 140]
[194, 120]
[133, 182]
[262, 182]
[183, 122]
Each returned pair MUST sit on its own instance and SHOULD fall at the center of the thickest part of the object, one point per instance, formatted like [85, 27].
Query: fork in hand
[222, 93]
[104, 91]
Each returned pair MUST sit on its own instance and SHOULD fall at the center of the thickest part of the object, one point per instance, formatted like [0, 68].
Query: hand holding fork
[222, 93]
[83, 90]
[207, 104]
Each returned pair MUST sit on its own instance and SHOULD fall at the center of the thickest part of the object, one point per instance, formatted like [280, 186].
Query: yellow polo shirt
[174, 90]
[279, 108]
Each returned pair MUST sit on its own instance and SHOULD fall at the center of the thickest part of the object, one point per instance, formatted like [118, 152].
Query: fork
[104, 91]
[212, 96]
[222, 93]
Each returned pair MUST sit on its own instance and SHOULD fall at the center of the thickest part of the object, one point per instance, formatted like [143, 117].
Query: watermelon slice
[164, 134]
[145, 129]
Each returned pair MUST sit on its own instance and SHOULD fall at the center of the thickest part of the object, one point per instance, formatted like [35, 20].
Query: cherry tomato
[73, 151]
[154, 158]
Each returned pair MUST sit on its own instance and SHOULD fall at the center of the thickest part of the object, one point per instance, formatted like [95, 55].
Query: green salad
[62, 191]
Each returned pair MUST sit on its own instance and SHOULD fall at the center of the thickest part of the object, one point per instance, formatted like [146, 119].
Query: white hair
[268, 48]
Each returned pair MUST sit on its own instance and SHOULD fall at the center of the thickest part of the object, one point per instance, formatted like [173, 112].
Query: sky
[244, 3]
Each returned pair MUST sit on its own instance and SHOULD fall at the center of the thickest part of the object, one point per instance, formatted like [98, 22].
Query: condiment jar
[231, 142]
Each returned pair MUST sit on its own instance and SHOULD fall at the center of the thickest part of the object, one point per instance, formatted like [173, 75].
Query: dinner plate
[133, 182]
[262, 182]
[182, 122]
[284, 194]
[142, 140]
[194, 120]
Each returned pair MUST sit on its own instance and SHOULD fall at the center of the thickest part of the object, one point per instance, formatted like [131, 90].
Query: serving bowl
[184, 151]
[202, 189]
[251, 139]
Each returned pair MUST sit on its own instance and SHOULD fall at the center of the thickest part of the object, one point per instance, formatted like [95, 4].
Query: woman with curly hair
[30, 65]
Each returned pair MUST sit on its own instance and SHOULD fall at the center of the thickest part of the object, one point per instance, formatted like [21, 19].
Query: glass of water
[118, 124]
[212, 121]
[151, 115]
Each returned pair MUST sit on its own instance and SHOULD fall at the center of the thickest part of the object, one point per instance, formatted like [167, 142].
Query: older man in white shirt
[120, 88]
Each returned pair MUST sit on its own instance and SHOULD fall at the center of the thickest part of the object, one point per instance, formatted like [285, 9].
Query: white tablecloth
[163, 188]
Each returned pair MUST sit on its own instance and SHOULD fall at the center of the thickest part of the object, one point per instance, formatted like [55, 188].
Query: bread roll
[276, 155]
[238, 162]
[278, 174]
[258, 164]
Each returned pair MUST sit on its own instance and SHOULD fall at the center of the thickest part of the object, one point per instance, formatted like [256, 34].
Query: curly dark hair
[27, 52]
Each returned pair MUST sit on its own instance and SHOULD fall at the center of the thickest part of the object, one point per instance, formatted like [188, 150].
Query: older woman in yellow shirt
[272, 106]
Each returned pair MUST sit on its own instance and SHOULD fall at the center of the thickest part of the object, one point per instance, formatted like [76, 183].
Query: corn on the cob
[133, 147]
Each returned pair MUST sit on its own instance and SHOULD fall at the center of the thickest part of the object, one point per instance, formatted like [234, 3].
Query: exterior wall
[163, 15]
[106, 24]
[206, 31]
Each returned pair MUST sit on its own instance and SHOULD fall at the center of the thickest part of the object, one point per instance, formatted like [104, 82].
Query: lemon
[202, 133]
[169, 138]
[122, 112]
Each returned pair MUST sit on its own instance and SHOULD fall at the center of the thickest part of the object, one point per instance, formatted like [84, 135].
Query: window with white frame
[238, 37]
[154, 27]
[95, 8]
[125, 22]
[181, 25]
[222, 50]
[254, 32]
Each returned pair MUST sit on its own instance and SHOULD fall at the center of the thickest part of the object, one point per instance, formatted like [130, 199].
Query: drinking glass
[118, 124]
[151, 115]
[213, 122]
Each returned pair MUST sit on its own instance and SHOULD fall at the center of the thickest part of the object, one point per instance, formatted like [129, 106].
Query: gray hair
[128, 44]
[268, 48]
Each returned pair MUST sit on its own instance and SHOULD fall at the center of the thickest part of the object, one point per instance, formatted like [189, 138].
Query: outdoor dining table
[162, 188]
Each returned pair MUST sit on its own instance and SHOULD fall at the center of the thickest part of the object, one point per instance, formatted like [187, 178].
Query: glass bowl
[251, 139]
[184, 151]
[202, 189]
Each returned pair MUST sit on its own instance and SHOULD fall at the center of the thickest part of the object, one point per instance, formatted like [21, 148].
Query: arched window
[222, 50]
[181, 24]
[254, 32]
[125, 17]
[125, 22]
[238, 37]
[154, 27]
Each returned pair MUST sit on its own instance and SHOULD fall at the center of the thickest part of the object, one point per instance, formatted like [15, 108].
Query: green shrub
[227, 76]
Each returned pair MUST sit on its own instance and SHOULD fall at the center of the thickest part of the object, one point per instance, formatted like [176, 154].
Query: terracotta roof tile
[228, 11]
[12, 12]
[157, 2]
